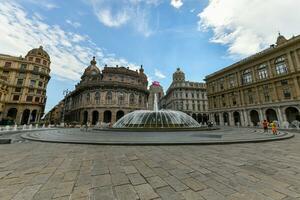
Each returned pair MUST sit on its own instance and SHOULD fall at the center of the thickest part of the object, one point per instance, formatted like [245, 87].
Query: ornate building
[105, 96]
[262, 86]
[23, 86]
[186, 96]
[157, 89]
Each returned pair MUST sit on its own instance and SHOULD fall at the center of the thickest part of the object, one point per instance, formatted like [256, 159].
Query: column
[270, 69]
[297, 61]
[291, 64]
[297, 88]
[28, 121]
[275, 91]
[20, 121]
[231, 120]
[246, 118]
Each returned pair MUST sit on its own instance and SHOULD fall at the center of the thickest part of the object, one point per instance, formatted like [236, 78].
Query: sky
[199, 36]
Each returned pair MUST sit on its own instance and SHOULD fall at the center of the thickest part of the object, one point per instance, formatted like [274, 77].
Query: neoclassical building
[107, 95]
[262, 86]
[23, 83]
[186, 96]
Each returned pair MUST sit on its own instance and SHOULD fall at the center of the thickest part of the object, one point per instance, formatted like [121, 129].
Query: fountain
[156, 119]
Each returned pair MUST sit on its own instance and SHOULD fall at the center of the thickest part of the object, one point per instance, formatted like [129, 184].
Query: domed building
[26, 80]
[107, 95]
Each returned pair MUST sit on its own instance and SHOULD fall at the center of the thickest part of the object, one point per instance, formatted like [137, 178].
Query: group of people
[273, 126]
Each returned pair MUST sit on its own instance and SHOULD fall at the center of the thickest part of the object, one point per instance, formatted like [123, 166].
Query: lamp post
[65, 93]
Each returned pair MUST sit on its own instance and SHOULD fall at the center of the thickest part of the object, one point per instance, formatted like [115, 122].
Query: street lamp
[65, 93]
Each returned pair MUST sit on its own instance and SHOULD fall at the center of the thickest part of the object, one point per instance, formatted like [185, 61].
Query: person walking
[274, 128]
[265, 126]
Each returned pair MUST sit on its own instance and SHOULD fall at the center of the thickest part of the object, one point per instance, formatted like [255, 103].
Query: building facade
[55, 115]
[264, 86]
[107, 95]
[157, 89]
[186, 96]
[23, 86]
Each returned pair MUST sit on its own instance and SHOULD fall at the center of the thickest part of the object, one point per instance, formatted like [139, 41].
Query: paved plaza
[41, 171]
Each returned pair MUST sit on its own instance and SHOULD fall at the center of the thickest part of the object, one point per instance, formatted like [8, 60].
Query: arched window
[280, 65]
[88, 96]
[131, 99]
[97, 97]
[121, 99]
[247, 76]
[109, 97]
[262, 71]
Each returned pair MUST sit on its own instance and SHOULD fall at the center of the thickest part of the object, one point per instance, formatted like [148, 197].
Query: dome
[280, 39]
[156, 119]
[178, 75]
[92, 69]
[39, 52]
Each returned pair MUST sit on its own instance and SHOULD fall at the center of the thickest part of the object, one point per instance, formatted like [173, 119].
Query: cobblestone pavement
[41, 171]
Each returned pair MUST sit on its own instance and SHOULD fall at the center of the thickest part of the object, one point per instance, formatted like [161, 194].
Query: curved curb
[285, 135]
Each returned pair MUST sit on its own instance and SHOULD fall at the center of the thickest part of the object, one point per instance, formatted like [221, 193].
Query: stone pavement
[41, 171]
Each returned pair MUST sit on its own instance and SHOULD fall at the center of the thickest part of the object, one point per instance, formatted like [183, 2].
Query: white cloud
[70, 52]
[72, 23]
[248, 26]
[176, 3]
[117, 13]
[159, 74]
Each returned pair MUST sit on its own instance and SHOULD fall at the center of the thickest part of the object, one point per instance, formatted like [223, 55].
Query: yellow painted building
[25, 81]
[264, 86]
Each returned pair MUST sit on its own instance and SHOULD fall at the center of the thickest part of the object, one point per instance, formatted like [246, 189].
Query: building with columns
[23, 83]
[106, 95]
[262, 86]
[186, 96]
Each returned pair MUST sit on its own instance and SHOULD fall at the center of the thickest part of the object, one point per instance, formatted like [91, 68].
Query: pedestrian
[274, 128]
[265, 126]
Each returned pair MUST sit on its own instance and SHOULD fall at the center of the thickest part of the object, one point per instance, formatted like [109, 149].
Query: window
[140, 100]
[267, 96]
[286, 93]
[131, 99]
[280, 65]
[37, 99]
[29, 98]
[30, 58]
[97, 97]
[39, 91]
[284, 82]
[121, 99]
[108, 97]
[35, 68]
[88, 96]
[7, 64]
[231, 81]
[16, 97]
[38, 60]
[31, 91]
[23, 67]
[247, 76]
[262, 71]
[18, 89]
[32, 83]
[40, 84]
[186, 95]
[44, 62]
[20, 82]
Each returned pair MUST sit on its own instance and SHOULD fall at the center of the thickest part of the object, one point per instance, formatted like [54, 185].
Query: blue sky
[199, 36]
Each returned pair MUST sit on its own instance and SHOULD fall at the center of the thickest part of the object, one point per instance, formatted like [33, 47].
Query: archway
[12, 113]
[292, 114]
[25, 116]
[254, 116]
[217, 119]
[205, 118]
[120, 114]
[33, 116]
[107, 116]
[226, 118]
[200, 119]
[95, 117]
[85, 117]
[237, 118]
[271, 115]
[194, 116]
